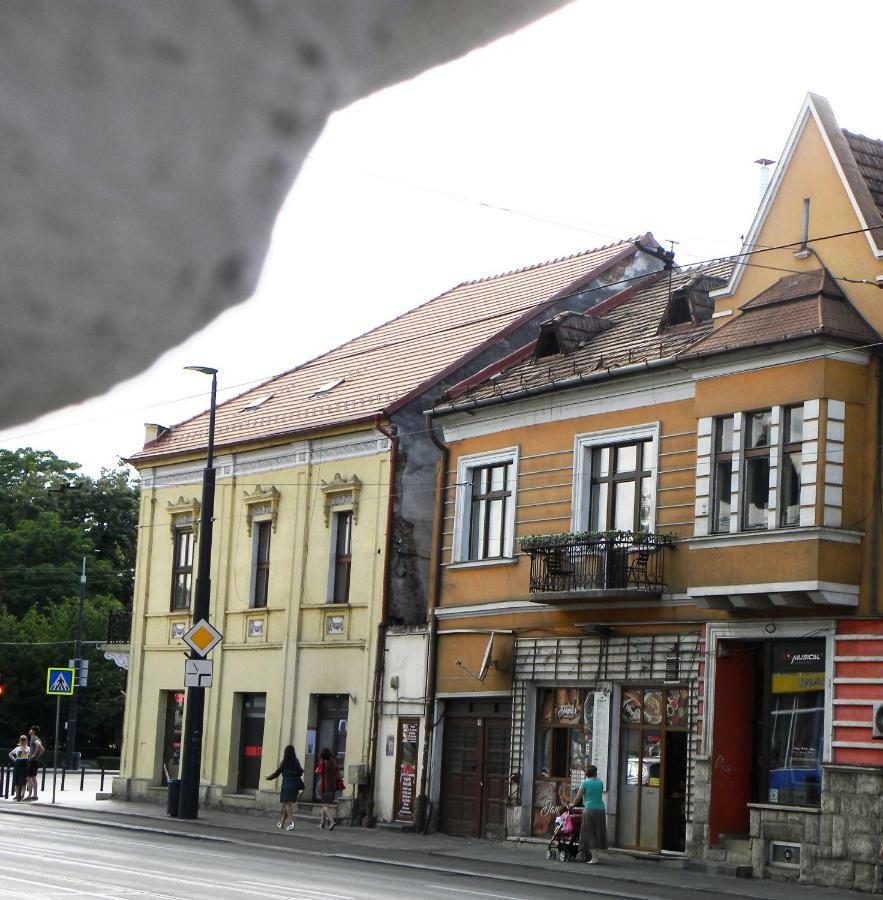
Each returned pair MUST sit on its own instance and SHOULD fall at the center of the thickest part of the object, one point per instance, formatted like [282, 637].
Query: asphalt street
[54, 859]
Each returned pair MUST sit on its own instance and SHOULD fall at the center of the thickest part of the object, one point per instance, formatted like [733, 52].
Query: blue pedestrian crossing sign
[60, 681]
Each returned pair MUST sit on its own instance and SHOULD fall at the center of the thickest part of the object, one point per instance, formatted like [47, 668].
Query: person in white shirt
[19, 757]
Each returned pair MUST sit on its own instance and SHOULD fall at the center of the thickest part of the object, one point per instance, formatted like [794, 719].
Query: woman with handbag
[292, 773]
[329, 783]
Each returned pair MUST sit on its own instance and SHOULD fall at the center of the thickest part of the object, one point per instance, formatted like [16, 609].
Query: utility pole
[71, 743]
[191, 739]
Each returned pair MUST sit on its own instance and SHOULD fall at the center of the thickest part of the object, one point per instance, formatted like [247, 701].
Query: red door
[732, 758]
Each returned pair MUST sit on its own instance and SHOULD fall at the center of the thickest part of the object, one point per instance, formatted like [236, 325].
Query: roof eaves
[142, 457]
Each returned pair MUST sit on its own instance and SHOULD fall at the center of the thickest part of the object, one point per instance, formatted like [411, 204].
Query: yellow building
[323, 526]
[660, 544]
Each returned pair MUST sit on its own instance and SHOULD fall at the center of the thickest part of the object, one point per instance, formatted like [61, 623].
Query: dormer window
[567, 332]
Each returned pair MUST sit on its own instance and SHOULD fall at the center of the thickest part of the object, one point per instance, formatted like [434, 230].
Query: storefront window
[796, 723]
[563, 750]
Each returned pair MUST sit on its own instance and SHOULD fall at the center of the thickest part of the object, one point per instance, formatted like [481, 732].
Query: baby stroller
[565, 838]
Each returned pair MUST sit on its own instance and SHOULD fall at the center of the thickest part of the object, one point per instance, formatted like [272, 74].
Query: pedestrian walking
[19, 757]
[593, 832]
[292, 773]
[35, 751]
[330, 783]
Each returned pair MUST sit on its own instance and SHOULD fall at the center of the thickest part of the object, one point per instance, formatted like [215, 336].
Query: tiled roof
[385, 365]
[634, 334]
[868, 154]
[796, 306]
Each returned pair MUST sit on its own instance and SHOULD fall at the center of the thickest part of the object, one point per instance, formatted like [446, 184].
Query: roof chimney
[765, 173]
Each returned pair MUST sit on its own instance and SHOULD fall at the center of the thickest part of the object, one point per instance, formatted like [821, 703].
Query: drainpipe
[434, 594]
[381, 626]
[878, 499]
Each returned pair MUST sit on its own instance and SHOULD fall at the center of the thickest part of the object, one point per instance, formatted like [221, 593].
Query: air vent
[784, 855]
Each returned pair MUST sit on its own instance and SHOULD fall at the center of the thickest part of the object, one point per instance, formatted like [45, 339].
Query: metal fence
[75, 776]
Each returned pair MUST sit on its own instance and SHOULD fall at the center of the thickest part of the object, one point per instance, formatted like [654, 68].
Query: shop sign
[797, 682]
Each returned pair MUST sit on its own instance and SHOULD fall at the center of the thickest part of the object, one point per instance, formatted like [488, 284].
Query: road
[56, 859]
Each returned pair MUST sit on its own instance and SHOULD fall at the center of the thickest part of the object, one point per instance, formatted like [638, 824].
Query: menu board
[406, 768]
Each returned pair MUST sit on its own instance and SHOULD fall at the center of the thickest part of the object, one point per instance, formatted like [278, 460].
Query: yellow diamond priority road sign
[202, 637]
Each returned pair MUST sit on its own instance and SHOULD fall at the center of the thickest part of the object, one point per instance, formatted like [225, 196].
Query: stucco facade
[287, 655]
[718, 656]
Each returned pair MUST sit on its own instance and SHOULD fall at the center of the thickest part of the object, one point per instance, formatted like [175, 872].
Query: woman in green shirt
[593, 833]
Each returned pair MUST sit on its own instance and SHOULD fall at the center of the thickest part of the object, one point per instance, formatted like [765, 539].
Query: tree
[51, 516]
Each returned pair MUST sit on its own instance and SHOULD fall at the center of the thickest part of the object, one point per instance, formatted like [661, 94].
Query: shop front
[769, 728]
[635, 731]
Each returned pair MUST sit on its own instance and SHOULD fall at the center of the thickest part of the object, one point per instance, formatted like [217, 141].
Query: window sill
[783, 807]
[482, 563]
[774, 536]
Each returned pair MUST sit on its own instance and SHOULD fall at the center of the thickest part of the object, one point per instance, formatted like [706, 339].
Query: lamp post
[191, 739]
[72, 706]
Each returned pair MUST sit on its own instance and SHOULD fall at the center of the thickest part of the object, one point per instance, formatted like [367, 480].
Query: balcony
[592, 564]
[119, 626]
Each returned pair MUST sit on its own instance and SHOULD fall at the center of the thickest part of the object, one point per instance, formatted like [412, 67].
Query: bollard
[4, 782]
[63, 772]
[82, 777]
[43, 782]
[101, 785]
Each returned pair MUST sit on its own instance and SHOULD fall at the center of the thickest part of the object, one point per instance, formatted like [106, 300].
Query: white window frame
[463, 504]
[808, 472]
[582, 468]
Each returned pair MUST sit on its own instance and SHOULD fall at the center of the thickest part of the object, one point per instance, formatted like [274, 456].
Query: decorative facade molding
[184, 514]
[120, 658]
[261, 503]
[341, 492]
[254, 463]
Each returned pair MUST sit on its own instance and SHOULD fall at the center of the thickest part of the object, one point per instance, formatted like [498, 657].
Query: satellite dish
[486, 662]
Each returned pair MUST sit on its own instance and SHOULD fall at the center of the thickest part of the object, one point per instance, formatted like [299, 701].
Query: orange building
[658, 547]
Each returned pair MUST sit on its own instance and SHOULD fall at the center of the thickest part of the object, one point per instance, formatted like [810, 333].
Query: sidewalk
[518, 859]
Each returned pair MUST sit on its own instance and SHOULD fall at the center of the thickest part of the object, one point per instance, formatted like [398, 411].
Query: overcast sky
[595, 124]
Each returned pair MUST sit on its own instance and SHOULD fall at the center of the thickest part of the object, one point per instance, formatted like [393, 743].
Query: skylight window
[255, 402]
[327, 387]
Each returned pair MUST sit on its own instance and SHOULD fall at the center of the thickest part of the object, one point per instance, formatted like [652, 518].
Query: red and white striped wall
[858, 687]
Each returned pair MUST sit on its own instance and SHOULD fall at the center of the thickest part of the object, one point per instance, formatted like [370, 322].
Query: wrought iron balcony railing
[608, 561]
[119, 626]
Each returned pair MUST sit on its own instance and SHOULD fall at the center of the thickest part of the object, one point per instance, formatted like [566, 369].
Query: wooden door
[460, 802]
[475, 776]
[495, 777]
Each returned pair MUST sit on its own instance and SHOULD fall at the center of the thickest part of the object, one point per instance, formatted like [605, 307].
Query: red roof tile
[796, 306]
[634, 334]
[391, 362]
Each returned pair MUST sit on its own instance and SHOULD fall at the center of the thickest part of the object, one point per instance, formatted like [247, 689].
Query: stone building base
[839, 844]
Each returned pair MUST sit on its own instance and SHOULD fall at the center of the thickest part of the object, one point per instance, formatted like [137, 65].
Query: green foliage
[634, 538]
[51, 516]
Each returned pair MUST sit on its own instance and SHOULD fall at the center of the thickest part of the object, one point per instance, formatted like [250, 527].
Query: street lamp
[191, 739]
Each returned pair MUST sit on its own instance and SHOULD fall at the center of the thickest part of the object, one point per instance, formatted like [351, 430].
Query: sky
[594, 124]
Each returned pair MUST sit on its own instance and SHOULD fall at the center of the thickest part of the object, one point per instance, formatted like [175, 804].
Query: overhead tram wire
[267, 380]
